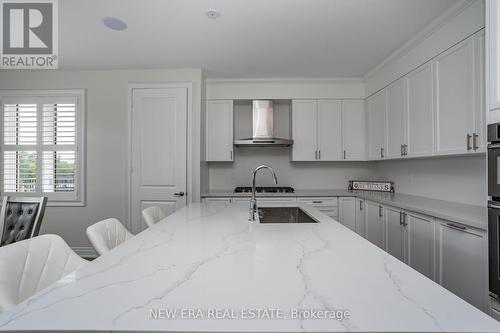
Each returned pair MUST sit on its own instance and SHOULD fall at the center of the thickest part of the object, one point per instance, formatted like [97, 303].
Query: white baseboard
[85, 251]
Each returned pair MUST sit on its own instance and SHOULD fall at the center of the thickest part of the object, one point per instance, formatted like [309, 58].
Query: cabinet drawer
[333, 213]
[320, 201]
[220, 200]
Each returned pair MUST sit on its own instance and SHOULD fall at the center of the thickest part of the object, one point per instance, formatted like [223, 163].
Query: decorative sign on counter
[369, 185]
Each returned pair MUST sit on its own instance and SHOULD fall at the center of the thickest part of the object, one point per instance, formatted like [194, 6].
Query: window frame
[54, 199]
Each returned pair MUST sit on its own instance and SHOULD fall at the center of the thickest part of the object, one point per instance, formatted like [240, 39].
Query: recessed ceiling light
[114, 23]
[213, 13]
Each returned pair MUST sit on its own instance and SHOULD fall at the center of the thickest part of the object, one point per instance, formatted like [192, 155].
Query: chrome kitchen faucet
[253, 201]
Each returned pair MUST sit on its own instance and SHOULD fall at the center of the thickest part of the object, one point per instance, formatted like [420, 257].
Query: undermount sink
[284, 215]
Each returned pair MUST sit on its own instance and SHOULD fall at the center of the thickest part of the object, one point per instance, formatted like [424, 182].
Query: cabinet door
[396, 110]
[454, 99]
[304, 130]
[421, 243]
[374, 220]
[419, 122]
[353, 130]
[395, 243]
[347, 212]
[480, 141]
[219, 130]
[360, 217]
[376, 125]
[329, 130]
[462, 265]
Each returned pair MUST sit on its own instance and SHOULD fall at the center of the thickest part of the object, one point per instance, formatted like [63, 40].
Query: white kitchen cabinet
[396, 124]
[493, 26]
[462, 254]
[219, 131]
[260, 200]
[419, 112]
[479, 141]
[376, 105]
[360, 217]
[347, 212]
[329, 130]
[375, 225]
[395, 232]
[326, 205]
[217, 199]
[454, 99]
[353, 130]
[305, 130]
[421, 243]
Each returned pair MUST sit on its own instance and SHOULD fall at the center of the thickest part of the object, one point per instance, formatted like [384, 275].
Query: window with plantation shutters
[42, 144]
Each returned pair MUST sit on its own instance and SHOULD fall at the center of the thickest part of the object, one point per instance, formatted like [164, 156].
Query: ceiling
[250, 39]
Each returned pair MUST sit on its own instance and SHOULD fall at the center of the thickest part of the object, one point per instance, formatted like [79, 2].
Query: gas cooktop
[273, 189]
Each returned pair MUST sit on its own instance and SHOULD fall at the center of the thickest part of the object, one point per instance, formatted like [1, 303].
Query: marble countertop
[209, 268]
[470, 215]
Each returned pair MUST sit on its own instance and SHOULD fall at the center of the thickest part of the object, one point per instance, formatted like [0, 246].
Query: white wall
[301, 175]
[459, 178]
[107, 130]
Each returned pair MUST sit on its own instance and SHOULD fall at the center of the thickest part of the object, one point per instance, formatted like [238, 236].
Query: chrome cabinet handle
[456, 226]
[344, 155]
[315, 154]
[381, 152]
[317, 202]
[405, 149]
[179, 194]
[402, 151]
[360, 205]
[468, 141]
[400, 218]
[380, 211]
[231, 155]
[404, 219]
[474, 141]
[319, 154]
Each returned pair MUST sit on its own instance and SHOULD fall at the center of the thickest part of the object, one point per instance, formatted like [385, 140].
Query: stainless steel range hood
[263, 127]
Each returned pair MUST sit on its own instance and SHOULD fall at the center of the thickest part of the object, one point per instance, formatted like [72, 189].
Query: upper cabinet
[219, 131]
[376, 105]
[328, 130]
[454, 99]
[436, 109]
[353, 130]
[396, 112]
[419, 120]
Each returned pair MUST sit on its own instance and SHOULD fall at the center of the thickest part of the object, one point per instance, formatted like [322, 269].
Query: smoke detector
[213, 13]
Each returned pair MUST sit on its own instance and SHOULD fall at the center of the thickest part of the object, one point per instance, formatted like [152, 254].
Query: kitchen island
[207, 268]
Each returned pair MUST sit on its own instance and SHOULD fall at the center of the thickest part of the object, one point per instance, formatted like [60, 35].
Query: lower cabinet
[326, 205]
[375, 224]
[395, 232]
[462, 254]
[347, 212]
[216, 199]
[421, 243]
[360, 217]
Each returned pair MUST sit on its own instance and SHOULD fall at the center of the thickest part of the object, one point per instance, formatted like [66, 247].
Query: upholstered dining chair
[30, 265]
[20, 218]
[153, 215]
[107, 234]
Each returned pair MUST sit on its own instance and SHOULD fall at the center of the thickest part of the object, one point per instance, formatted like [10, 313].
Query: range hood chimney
[263, 127]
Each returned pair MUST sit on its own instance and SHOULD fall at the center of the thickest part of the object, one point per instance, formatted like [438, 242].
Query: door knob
[179, 194]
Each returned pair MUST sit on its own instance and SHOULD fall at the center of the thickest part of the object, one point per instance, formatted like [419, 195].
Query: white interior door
[158, 155]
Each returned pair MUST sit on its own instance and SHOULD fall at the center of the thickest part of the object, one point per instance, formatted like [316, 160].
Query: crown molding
[334, 80]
